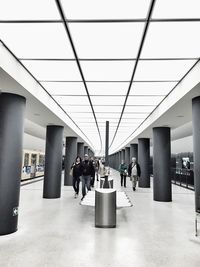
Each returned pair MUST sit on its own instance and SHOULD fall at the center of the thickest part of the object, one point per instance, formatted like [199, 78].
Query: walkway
[61, 232]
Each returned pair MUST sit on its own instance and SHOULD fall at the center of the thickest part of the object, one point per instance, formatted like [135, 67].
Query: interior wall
[33, 143]
[182, 145]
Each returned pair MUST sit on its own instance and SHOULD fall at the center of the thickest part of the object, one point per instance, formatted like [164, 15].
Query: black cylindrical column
[85, 150]
[161, 164]
[196, 149]
[127, 155]
[70, 156]
[120, 159]
[80, 149]
[107, 144]
[144, 160]
[134, 151]
[12, 110]
[53, 161]
[123, 155]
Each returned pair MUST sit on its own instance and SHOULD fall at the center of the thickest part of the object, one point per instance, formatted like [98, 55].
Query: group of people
[85, 170]
[132, 170]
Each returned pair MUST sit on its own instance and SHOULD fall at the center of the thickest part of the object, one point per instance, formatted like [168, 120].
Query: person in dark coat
[123, 172]
[87, 171]
[134, 172]
[76, 173]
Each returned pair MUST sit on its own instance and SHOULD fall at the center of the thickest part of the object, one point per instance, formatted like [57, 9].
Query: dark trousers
[123, 179]
[76, 182]
[92, 179]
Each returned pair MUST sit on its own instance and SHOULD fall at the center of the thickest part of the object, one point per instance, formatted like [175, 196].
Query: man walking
[87, 170]
[134, 172]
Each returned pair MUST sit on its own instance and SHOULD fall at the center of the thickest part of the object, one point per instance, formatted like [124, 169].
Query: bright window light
[53, 70]
[28, 10]
[172, 40]
[112, 9]
[135, 115]
[108, 88]
[81, 115]
[144, 100]
[107, 70]
[72, 100]
[108, 100]
[162, 70]
[64, 88]
[77, 108]
[107, 40]
[176, 9]
[108, 108]
[153, 88]
[110, 120]
[36, 40]
[84, 120]
[139, 108]
[107, 116]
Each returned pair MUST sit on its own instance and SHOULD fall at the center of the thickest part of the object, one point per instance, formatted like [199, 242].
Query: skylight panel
[107, 40]
[53, 70]
[36, 40]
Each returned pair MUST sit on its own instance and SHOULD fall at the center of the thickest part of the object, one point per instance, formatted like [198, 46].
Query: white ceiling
[102, 63]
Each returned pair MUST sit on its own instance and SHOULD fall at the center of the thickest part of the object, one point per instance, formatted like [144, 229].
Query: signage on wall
[15, 211]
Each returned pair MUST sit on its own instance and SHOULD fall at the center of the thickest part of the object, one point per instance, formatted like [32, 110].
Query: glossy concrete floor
[61, 232]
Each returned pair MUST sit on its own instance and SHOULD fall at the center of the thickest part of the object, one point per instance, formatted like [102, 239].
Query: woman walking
[76, 173]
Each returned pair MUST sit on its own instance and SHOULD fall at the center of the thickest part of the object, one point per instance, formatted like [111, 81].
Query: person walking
[134, 172]
[97, 169]
[123, 172]
[93, 172]
[87, 171]
[76, 173]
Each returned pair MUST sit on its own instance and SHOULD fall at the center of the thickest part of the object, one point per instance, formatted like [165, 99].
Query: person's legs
[134, 181]
[74, 184]
[88, 182]
[77, 187]
[92, 181]
[83, 185]
[97, 174]
[124, 180]
[121, 179]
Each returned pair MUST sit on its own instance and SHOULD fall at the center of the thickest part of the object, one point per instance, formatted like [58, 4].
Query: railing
[183, 177]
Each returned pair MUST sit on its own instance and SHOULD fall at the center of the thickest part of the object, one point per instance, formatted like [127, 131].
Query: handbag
[71, 172]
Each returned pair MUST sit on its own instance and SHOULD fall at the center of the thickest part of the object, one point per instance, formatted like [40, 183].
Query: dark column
[80, 149]
[107, 144]
[196, 149]
[89, 152]
[85, 150]
[123, 154]
[134, 151]
[106, 185]
[53, 161]
[161, 164]
[70, 156]
[144, 161]
[127, 155]
[12, 110]
[120, 158]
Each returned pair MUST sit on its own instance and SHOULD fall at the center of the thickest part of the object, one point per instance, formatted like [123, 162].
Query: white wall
[182, 145]
[33, 143]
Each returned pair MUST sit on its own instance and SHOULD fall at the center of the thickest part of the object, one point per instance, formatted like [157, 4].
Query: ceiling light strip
[95, 81]
[159, 103]
[136, 63]
[63, 17]
[106, 59]
[45, 91]
[102, 20]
